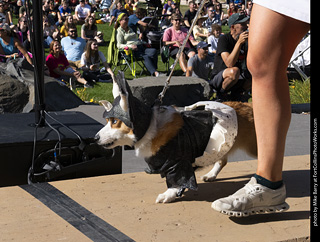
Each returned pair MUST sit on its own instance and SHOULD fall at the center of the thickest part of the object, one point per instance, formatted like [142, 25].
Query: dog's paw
[208, 178]
[168, 196]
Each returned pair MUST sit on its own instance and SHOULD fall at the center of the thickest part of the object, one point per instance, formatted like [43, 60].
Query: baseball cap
[202, 44]
[237, 18]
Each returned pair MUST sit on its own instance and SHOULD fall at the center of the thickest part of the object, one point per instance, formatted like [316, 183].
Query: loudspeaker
[77, 155]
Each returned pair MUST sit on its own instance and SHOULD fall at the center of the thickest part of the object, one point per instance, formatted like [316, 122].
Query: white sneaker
[252, 199]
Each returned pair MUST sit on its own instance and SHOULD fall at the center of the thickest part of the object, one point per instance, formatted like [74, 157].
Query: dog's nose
[96, 138]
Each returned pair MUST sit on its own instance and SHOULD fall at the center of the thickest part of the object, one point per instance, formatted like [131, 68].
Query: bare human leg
[271, 45]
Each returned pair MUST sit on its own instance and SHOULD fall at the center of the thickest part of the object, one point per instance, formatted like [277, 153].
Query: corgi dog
[174, 142]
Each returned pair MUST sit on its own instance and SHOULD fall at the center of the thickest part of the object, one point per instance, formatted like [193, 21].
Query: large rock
[14, 95]
[182, 91]
[17, 91]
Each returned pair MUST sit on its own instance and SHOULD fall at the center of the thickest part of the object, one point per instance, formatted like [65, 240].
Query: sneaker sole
[258, 210]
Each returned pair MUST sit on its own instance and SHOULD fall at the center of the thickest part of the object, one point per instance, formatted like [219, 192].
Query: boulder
[17, 90]
[182, 91]
[14, 95]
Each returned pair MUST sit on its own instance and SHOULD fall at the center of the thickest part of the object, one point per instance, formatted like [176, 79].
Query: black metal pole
[38, 61]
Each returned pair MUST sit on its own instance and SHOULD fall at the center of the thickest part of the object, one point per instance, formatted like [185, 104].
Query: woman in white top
[90, 61]
[276, 28]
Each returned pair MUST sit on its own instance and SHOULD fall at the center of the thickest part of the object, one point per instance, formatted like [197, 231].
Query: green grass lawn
[102, 91]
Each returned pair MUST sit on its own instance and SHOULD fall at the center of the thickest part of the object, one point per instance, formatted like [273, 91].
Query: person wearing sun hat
[10, 46]
[113, 51]
[127, 39]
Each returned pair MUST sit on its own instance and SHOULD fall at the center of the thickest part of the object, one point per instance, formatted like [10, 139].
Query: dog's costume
[174, 160]
[212, 130]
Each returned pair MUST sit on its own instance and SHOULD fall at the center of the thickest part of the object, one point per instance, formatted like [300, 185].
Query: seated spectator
[64, 10]
[7, 9]
[116, 12]
[59, 67]
[89, 29]
[65, 27]
[213, 39]
[93, 5]
[127, 38]
[232, 9]
[10, 46]
[22, 28]
[174, 36]
[230, 61]
[53, 14]
[220, 15]
[90, 61]
[50, 32]
[211, 18]
[167, 7]
[190, 14]
[105, 5]
[200, 33]
[248, 8]
[73, 4]
[81, 12]
[73, 46]
[135, 21]
[175, 9]
[199, 65]
[4, 16]
[239, 4]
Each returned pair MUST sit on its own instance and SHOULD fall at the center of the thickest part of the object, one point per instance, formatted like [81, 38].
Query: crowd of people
[71, 51]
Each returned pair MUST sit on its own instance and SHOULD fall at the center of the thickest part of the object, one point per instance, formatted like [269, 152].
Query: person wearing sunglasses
[73, 46]
[174, 37]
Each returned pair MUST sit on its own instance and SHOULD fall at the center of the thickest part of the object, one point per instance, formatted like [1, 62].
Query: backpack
[165, 53]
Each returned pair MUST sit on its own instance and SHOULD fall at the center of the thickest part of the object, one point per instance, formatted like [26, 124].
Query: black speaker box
[76, 159]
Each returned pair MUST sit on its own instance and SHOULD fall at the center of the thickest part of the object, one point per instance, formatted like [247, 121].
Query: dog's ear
[115, 89]
[107, 105]
[124, 90]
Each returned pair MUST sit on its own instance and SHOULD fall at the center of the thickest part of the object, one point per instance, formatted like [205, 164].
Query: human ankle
[267, 183]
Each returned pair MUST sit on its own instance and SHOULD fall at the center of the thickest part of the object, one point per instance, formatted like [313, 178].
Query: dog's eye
[114, 121]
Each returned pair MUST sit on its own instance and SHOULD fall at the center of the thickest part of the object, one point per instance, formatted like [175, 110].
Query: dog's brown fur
[118, 124]
[246, 138]
[166, 133]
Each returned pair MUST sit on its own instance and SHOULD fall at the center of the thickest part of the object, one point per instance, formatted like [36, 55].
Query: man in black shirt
[190, 14]
[230, 58]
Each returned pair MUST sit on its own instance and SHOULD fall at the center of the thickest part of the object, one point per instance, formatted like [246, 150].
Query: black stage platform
[77, 159]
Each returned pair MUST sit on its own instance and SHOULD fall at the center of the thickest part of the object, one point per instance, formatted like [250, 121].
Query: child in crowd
[213, 39]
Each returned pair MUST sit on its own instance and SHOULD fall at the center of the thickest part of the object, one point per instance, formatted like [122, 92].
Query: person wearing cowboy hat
[200, 33]
[11, 46]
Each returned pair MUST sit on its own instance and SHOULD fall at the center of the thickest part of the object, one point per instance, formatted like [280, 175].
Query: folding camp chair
[301, 56]
[131, 62]
[118, 58]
